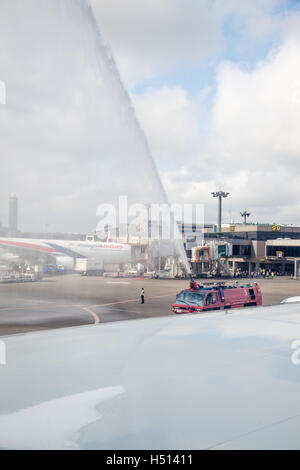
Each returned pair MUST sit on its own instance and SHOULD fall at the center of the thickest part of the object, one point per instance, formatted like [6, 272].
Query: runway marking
[94, 315]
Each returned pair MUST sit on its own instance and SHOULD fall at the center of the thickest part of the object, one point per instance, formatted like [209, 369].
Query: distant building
[13, 215]
[249, 248]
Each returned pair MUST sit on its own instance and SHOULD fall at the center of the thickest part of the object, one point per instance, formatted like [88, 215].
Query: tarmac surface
[71, 300]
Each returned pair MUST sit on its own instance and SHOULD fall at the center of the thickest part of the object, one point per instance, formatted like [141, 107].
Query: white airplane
[217, 381]
[66, 252]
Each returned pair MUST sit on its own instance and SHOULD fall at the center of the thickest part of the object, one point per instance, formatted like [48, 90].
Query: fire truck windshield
[190, 298]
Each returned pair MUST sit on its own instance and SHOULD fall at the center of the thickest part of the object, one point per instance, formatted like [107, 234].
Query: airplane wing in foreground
[213, 381]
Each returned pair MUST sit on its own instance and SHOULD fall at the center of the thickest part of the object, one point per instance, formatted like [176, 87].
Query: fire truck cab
[200, 298]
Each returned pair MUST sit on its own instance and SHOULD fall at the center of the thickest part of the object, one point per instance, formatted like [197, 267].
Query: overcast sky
[215, 85]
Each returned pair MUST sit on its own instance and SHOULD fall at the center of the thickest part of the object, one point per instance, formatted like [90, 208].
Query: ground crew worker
[142, 295]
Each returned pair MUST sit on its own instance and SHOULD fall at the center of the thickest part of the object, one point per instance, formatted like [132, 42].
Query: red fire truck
[218, 296]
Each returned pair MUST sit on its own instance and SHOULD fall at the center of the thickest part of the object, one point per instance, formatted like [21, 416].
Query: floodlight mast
[245, 215]
[220, 195]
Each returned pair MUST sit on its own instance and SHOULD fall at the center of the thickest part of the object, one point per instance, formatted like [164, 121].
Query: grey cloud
[149, 38]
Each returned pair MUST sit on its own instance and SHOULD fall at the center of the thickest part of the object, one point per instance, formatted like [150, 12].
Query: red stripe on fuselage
[48, 249]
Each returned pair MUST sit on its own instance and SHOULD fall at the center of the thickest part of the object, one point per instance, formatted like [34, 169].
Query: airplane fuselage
[107, 252]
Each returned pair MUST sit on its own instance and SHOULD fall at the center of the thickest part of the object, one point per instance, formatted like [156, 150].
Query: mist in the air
[69, 138]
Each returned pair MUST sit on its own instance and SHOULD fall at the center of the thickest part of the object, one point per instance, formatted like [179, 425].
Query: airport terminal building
[248, 248]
